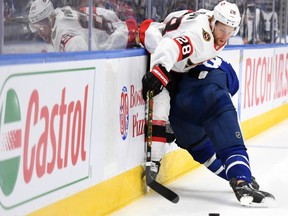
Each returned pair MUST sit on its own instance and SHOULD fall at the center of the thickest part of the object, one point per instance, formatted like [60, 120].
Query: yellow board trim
[258, 124]
[119, 191]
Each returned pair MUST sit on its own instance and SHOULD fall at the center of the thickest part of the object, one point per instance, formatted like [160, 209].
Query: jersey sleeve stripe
[160, 75]
[180, 57]
[64, 40]
[185, 47]
[143, 28]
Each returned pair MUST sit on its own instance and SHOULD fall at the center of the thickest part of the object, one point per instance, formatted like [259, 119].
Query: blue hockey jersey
[219, 63]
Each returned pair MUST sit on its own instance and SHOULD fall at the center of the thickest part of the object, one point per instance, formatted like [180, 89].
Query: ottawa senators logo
[206, 35]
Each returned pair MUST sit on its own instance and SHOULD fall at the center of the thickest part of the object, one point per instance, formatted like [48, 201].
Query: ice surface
[201, 192]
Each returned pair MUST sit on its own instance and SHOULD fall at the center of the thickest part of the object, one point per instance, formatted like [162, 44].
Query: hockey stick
[152, 183]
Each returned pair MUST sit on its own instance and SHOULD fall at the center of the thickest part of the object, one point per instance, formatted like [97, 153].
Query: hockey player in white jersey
[67, 29]
[201, 106]
[182, 41]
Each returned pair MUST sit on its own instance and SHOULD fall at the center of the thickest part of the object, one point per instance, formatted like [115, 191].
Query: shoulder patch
[206, 35]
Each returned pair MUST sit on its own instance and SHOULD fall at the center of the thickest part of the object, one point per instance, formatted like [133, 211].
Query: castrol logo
[44, 133]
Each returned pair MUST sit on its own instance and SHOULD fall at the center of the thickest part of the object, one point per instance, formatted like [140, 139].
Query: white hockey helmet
[39, 10]
[228, 14]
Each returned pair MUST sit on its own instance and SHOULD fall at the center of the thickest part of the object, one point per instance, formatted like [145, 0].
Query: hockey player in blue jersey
[182, 41]
[205, 123]
[202, 113]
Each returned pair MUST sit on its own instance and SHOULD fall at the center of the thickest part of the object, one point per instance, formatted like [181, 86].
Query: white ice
[201, 192]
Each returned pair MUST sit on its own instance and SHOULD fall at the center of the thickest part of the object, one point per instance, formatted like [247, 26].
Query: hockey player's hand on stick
[155, 80]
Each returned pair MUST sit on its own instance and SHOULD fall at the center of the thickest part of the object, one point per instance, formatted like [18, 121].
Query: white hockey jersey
[182, 41]
[67, 33]
[70, 31]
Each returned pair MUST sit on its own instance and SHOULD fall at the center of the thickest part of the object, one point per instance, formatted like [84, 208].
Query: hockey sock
[215, 165]
[158, 139]
[204, 153]
[237, 165]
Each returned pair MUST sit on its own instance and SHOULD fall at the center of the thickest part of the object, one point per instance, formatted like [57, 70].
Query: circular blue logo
[124, 113]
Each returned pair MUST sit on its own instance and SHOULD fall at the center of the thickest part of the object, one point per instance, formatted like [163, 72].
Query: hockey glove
[155, 80]
[101, 23]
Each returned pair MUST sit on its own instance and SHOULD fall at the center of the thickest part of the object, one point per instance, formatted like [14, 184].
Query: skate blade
[267, 202]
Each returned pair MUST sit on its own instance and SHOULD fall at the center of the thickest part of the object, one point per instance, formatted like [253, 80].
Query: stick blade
[163, 191]
[159, 188]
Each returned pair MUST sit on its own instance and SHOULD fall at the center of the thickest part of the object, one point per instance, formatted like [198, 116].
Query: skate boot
[251, 197]
[155, 167]
[254, 184]
[154, 170]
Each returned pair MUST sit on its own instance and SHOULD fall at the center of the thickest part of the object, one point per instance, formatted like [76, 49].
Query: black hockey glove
[155, 80]
[100, 22]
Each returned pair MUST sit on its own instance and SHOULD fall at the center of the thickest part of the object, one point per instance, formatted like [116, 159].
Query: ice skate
[154, 170]
[155, 167]
[254, 184]
[251, 197]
